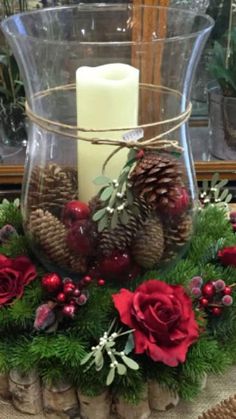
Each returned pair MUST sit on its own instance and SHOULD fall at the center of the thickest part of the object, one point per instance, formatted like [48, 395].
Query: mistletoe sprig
[116, 197]
[119, 361]
[214, 192]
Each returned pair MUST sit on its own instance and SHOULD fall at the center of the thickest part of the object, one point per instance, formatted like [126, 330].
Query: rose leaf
[110, 376]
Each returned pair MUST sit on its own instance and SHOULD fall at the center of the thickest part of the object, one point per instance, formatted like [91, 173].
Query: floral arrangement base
[123, 348]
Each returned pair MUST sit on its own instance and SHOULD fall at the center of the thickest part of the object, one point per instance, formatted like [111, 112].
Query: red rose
[14, 275]
[227, 256]
[163, 319]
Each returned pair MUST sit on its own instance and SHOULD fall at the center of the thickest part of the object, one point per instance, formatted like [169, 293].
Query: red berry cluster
[68, 295]
[212, 295]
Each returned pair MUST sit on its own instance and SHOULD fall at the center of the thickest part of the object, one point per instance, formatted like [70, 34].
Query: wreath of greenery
[60, 353]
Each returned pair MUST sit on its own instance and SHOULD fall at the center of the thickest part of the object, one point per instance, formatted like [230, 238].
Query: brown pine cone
[224, 410]
[120, 238]
[176, 236]
[157, 178]
[50, 235]
[148, 246]
[51, 187]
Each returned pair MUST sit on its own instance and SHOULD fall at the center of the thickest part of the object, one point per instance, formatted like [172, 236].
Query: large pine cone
[176, 236]
[52, 187]
[148, 245]
[157, 178]
[50, 235]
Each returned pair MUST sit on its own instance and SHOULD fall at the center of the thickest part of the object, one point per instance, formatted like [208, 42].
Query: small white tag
[133, 135]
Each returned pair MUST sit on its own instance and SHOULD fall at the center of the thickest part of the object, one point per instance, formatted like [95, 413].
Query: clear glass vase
[109, 187]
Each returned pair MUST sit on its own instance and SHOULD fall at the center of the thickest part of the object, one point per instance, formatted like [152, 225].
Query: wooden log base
[60, 402]
[25, 391]
[160, 398]
[98, 407]
[126, 410]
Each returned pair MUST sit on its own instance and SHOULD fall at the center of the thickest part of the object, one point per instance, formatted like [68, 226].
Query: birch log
[97, 407]
[25, 391]
[4, 386]
[161, 398]
[60, 401]
[126, 410]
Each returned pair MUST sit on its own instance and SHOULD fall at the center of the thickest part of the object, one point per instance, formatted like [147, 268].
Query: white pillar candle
[107, 97]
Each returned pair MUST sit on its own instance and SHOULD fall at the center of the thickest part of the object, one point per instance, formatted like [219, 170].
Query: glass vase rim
[83, 6]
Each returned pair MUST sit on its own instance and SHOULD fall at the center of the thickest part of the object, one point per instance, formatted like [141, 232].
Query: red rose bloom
[227, 256]
[163, 319]
[14, 275]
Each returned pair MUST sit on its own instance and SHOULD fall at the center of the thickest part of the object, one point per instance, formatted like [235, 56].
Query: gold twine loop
[75, 132]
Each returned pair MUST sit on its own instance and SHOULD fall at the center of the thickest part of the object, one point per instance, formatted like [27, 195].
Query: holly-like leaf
[130, 363]
[214, 179]
[106, 193]
[101, 180]
[222, 183]
[110, 376]
[99, 214]
[121, 369]
[224, 194]
[228, 198]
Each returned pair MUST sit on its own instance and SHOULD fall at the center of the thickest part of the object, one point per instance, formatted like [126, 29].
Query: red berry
[232, 216]
[101, 282]
[61, 298]
[52, 282]
[140, 155]
[76, 293]
[87, 279]
[203, 302]
[227, 290]
[81, 238]
[216, 311]
[116, 265]
[69, 310]
[227, 300]
[68, 289]
[67, 280]
[82, 299]
[72, 302]
[74, 211]
[208, 290]
[180, 202]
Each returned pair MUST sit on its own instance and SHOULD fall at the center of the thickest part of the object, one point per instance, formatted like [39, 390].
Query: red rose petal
[26, 267]
[123, 303]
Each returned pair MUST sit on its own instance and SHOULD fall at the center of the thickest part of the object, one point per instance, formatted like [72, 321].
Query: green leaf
[99, 360]
[114, 219]
[222, 183]
[110, 376]
[110, 344]
[130, 363]
[129, 346]
[121, 369]
[106, 193]
[224, 194]
[124, 217]
[99, 214]
[113, 199]
[101, 180]
[205, 185]
[228, 198]
[129, 196]
[103, 223]
[214, 179]
[86, 358]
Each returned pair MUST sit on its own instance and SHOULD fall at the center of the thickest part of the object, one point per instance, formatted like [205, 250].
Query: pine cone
[224, 410]
[51, 187]
[157, 178]
[148, 246]
[120, 238]
[176, 236]
[50, 234]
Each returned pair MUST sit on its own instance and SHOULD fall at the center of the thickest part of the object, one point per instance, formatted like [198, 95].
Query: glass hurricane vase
[109, 187]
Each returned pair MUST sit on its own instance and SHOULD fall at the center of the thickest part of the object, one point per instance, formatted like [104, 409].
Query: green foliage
[226, 76]
[58, 354]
